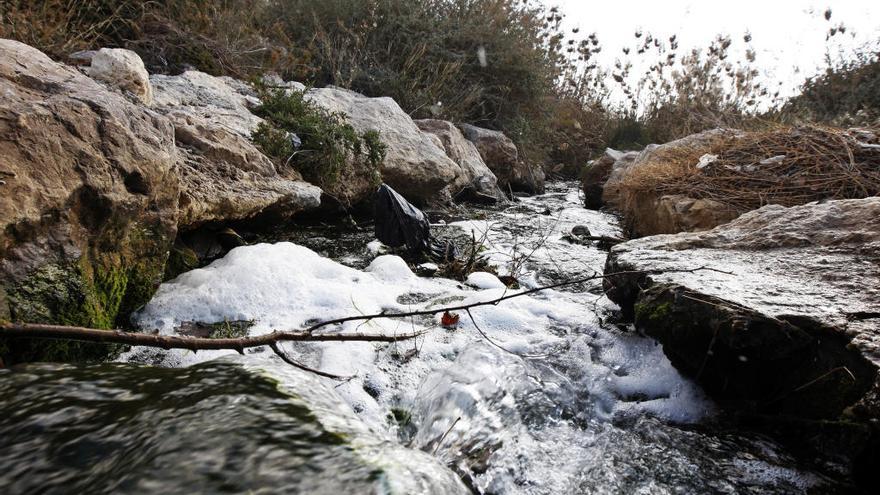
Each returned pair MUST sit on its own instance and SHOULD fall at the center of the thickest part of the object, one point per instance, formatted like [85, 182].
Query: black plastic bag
[399, 223]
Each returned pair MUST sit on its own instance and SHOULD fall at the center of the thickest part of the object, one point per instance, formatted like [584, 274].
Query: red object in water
[449, 320]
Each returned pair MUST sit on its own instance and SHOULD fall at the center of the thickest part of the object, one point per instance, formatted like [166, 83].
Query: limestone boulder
[473, 174]
[414, 164]
[219, 101]
[599, 180]
[649, 213]
[776, 312]
[123, 69]
[500, 154]
[88, 197]
[224, 177]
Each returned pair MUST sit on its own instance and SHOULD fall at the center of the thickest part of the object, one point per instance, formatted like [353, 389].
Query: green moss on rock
[96, 291]
[653, 312]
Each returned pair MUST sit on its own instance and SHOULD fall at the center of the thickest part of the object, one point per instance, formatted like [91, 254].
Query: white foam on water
[484, 280]
[284, 286]
[574, 371]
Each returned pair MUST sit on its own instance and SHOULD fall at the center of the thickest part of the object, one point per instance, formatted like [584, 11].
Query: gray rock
[208, 99]
[791, 321]
[473, 172]
[601, 177]
[123, 69]
[501, 156]
[415, 165]
[224, 177]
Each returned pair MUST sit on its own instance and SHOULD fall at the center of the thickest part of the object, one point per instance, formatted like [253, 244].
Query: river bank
[147, 203]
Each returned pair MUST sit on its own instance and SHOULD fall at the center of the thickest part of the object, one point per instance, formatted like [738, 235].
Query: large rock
[88, 197]
[500, 154]
[124, 69]
[602, 176]
[214, 100]
[224, 177]
[414, 164]
[651, 212]
[473, 172]
[781, 313]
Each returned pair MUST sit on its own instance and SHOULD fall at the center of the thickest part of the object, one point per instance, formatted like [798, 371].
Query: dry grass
[783, 165]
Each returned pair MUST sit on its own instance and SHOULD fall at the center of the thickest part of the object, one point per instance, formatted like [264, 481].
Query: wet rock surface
[234, 427]
[780, 314]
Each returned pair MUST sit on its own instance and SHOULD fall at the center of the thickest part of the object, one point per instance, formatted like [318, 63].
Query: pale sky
[787, 34]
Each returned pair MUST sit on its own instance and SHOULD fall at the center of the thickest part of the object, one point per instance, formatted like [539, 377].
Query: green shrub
[327, 142]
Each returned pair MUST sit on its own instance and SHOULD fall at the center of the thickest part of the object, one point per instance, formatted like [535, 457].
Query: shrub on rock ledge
[317, 143]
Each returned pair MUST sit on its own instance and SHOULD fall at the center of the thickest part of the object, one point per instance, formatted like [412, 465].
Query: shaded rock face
[596, 182]
[500, 154]
[224, 177]
[473, 171]
[124, 69]
[415, 165]
[793, 328]
[88, 196]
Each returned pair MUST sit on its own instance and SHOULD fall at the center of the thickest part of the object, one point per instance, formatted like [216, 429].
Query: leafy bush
[324, 142]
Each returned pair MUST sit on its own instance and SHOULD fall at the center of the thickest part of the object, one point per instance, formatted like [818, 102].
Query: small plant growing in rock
[317, 143]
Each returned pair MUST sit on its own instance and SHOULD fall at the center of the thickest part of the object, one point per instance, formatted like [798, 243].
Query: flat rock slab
[810, 273]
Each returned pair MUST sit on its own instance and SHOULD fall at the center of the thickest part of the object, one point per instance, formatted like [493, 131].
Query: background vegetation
[502, 64]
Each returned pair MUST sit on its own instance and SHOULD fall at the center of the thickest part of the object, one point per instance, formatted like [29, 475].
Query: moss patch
[99, 290]
[652, 312]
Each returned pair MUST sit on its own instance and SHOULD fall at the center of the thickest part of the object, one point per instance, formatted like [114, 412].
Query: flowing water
[539, 394]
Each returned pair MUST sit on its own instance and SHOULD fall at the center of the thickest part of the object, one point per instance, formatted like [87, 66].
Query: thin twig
[167, 342]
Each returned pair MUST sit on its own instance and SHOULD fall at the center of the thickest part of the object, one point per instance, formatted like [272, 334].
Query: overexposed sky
[788, 35]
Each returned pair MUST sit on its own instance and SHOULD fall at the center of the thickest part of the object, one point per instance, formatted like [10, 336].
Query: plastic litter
[399, 223]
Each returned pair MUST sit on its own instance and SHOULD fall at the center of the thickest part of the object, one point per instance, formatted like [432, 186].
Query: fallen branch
[167, 342]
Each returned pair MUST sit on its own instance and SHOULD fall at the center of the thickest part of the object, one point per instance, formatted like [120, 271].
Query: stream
[541, 394]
